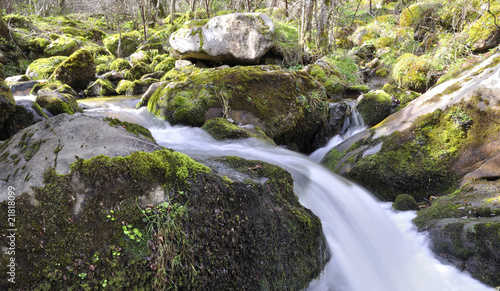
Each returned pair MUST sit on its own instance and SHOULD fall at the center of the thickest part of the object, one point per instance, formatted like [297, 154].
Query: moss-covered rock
[57, 103]
[211, 232]
[223, 129]
[374, 106]
[411, 72]
[165, 65]
[77, 71]
[136, 87]
[7, 102]
[62, 46]
[43, 68]
[129, 43]
[101, 87]
[402, 96]
[19, 119]
[120, 64]
[405, 202]
[287, 106]
[137, 71]
[38, 44]
[483, 34]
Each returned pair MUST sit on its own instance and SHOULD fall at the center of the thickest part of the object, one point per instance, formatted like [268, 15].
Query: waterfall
[369, 250]
[353, 124]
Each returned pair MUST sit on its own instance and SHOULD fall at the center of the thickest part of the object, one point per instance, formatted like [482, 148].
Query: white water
[372, 247]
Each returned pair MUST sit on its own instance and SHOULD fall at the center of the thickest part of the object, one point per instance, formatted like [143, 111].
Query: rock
[366, 52]
[129, 43]
[166, 65]
[244, 224]
[405, 202]
[7, 102]
[137, 71]
[113, 76]
[57, 103]
[337, 115]
[77, 71]
[24, 88]
[62, 46]
[233, 38]
[411, 72]
[139, 57]
[56, 142]
[154, 75]
[287, 106]
[101, 87]
[182, 63]
[129, 88]
[483, 34]
[27, 113]
[374, 106]
[147, 95]
[43, 68]
[223, 129]
[120, 65]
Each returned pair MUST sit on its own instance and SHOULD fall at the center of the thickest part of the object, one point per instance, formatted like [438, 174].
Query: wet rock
[56, 102]
[77, 71]
[7, 102]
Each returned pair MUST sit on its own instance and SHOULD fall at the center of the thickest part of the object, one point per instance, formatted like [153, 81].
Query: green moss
[63, 46]
[131, 127]
[77, 71]
[222, 129]
[405, 202]
[43, 68]
[415, 14]
[120, 64]
[382, 72]
[411, 71]
[103, 87]
[38, 44]
[374, 107]
[165, 65]
[137, 71]
[481, 31]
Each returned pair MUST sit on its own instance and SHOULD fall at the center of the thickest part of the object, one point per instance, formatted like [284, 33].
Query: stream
[372, 246]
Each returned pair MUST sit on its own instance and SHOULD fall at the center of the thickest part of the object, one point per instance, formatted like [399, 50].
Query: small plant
[133, 233]
[82, 275]
[110, 216]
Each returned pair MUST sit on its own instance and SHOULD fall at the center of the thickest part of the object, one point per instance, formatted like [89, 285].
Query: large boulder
[78, 71]
[55, 143]
[233, 38]
[374, 106]
[43, 68]
[290, 107]
[149, 218]
[483, 34]
[7, 102]
[27, 113]
[62, 46]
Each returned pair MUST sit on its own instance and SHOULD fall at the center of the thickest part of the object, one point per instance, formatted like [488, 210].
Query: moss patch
[131, 127]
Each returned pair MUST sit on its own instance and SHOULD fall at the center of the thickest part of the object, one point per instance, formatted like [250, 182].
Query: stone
[57, 102]
[232, 38]
[147, 95]
[7, 102]
[101, 87]
[56, 142]
[63, 46]
[24, 88]
[182, 63]
[43, 68]
[77, 71]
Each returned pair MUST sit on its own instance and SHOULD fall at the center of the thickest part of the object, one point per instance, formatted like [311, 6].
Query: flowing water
[373, 248]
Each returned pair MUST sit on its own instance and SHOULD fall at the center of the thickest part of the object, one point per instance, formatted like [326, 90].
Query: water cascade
[369, 250]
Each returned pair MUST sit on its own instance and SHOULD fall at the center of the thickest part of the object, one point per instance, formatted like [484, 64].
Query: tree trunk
[144, 23]
[172, 11]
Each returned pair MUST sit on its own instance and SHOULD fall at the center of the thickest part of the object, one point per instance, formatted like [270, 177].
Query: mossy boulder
[39, 44]
[77, 71]
[165, 65]
[374, 106]
[56, 102]
[7, 102]
[466, 234]
[405, 202]
[253, 226]
[483, 34]
[43, 68]
[411, 72]
[402, 96]
[130, 41]
[137, 71]
[120, 64]
[136, 87]
[62, 46]
[420, 17]
[101, 87]
[288, 106]
[223, 129]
